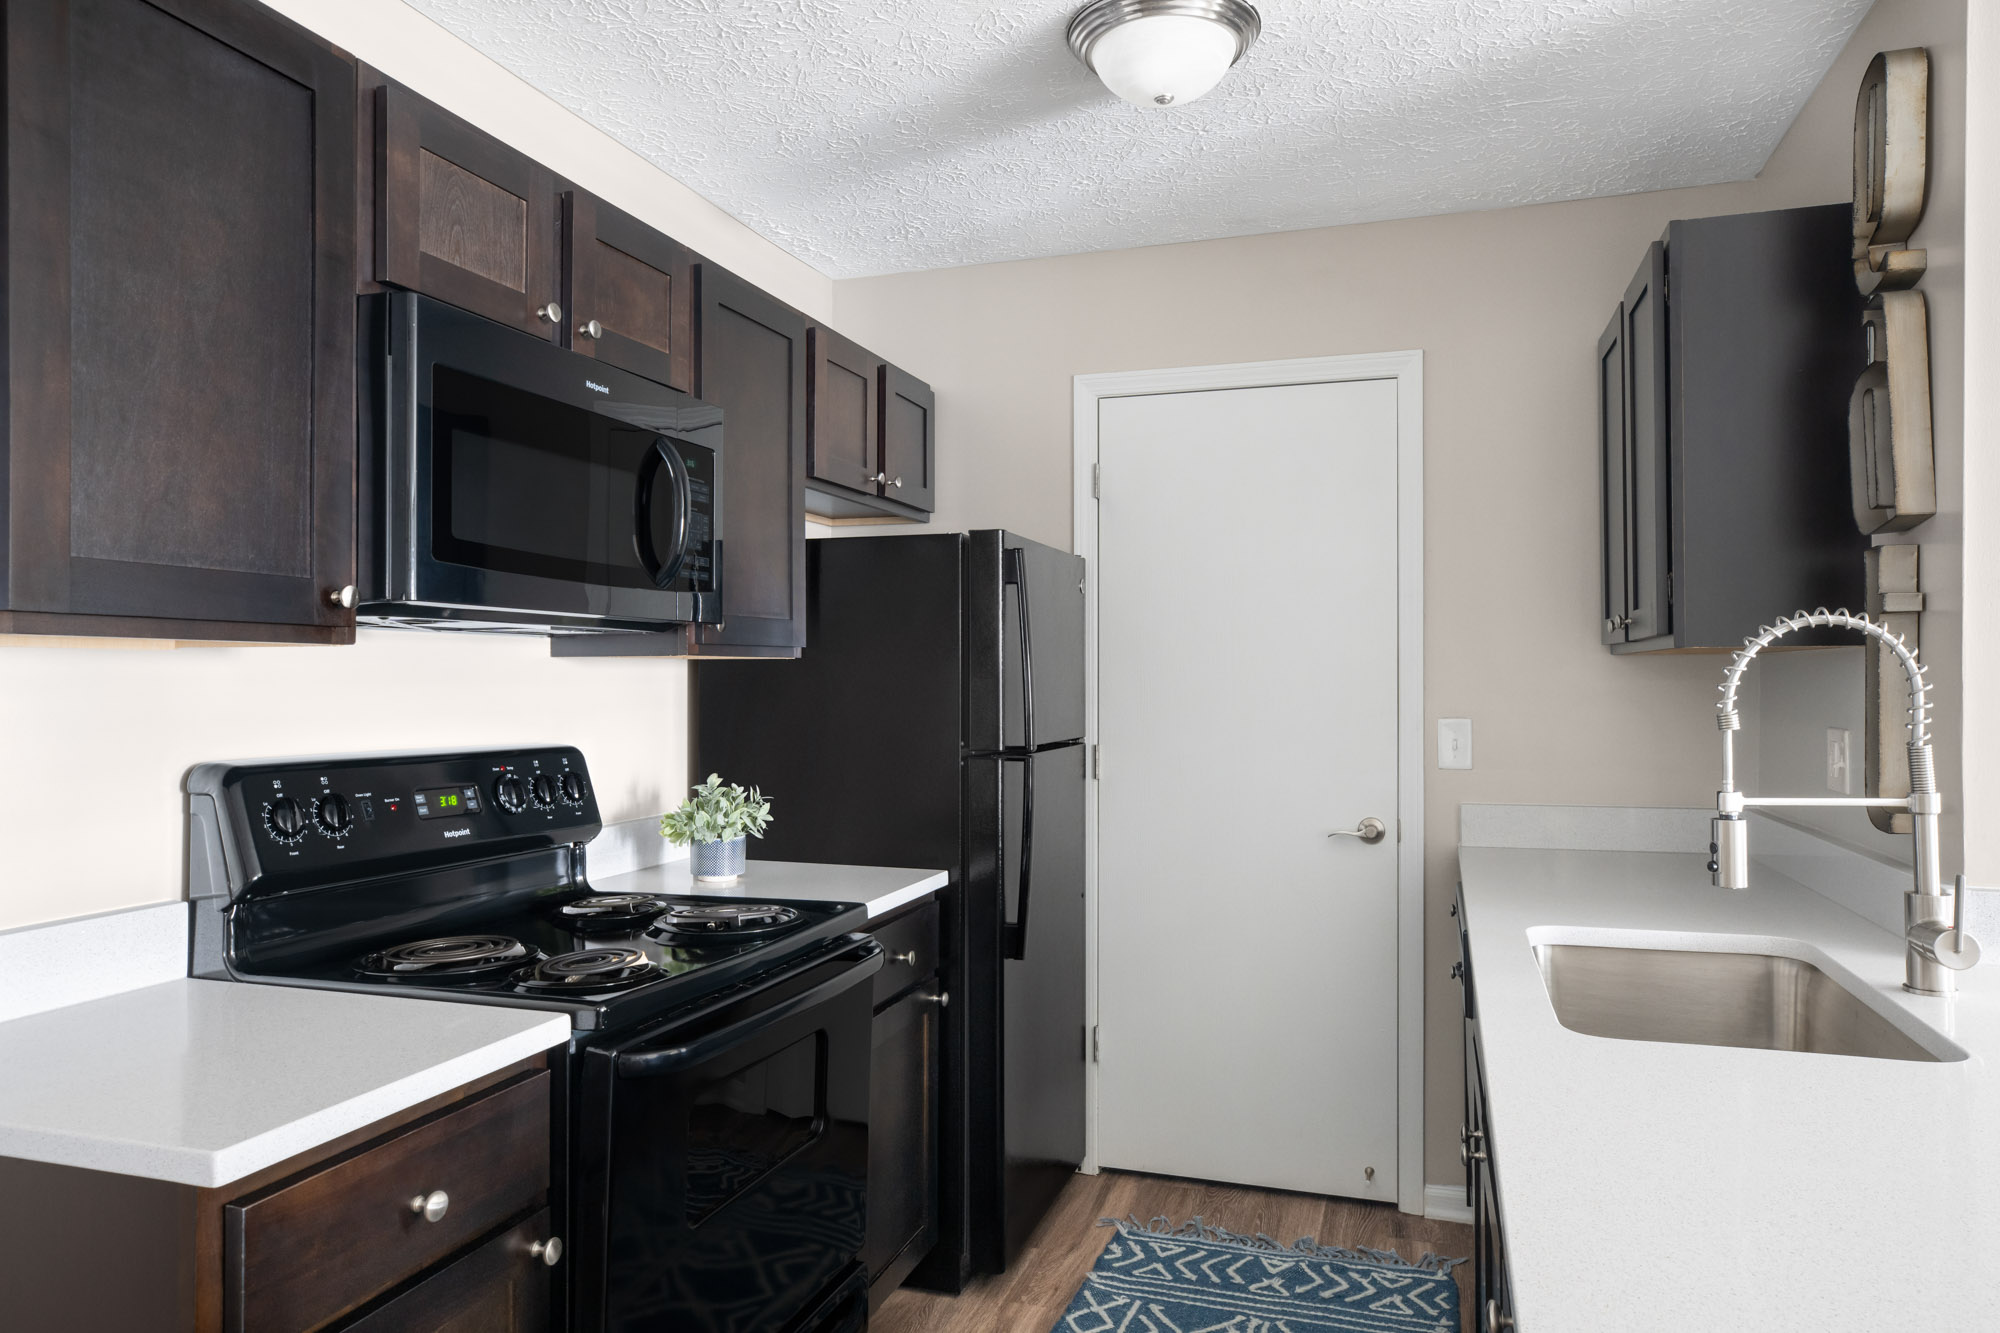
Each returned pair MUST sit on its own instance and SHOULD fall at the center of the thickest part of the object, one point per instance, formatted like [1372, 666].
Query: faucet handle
[1947, 946]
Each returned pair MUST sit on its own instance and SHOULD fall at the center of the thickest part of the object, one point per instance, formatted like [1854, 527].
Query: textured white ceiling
[910, 134]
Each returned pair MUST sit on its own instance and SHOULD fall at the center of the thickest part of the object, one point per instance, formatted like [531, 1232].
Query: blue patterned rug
[1157, 1278]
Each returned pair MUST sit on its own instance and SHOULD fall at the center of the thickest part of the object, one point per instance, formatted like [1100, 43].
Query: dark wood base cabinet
[435, 1219]
[1492, 1286]
[903, 1102]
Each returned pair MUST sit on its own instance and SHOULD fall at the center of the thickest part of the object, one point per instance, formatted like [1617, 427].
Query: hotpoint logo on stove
[458, 833]
[593, 384]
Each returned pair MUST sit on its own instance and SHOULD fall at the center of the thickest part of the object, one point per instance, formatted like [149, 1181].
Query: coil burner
[685, 922]
[450, 960]
[589, 970]
[608, 911]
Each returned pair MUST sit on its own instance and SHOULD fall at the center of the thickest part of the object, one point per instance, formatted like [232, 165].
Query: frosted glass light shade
[1164, 59]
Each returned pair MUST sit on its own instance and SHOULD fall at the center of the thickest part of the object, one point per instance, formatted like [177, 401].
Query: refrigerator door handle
[1014, 934]
[1014, 561]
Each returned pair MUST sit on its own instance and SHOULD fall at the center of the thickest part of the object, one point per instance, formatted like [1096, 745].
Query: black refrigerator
[936, 719]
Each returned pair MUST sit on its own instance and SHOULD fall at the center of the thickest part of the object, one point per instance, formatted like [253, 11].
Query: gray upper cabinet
[1723, 382]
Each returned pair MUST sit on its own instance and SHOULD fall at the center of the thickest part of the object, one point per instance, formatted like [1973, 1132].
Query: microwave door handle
[661, 569]
[1016, 577]
[1015, 932]
[651, 1063]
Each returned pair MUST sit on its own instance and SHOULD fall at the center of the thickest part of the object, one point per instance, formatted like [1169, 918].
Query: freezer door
[1024, 643]
[1042, 1031]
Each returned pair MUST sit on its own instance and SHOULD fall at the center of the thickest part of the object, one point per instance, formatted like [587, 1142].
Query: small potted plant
[713, 824]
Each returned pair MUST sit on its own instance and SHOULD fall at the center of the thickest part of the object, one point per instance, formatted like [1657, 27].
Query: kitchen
[1502, 278]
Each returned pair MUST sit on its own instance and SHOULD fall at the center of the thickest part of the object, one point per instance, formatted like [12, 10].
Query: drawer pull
[548, 1251]
[908, 959]
[431, 1207]
[942, 999]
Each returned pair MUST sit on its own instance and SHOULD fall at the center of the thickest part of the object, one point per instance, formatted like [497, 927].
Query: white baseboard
[1446, 1203]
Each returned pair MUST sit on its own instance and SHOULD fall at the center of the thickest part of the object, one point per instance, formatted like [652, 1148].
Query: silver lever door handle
[1371, 830]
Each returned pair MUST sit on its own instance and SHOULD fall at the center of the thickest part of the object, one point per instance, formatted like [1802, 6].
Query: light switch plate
[1454, 742]
[1839, 753]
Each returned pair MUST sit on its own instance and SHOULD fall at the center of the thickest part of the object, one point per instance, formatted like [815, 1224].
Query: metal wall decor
[1895, 602]
[1891, 175]
[1889, 417]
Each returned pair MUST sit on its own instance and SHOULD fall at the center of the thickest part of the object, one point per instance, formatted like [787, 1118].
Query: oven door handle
[649, 1063]
[662, 569]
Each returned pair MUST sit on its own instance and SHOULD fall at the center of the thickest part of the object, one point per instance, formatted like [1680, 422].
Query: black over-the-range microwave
[510, 484]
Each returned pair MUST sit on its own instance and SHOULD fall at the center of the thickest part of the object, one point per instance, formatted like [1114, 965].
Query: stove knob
[285, 819]
[543, 790]
[572, 788]
[332, 815]
[511, 793]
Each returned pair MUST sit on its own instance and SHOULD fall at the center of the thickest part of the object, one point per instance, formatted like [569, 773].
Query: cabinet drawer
[501, 1287]
[307, 1250]
[909, 949]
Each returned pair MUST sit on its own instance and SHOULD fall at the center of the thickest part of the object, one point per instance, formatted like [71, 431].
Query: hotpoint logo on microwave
[593, 384]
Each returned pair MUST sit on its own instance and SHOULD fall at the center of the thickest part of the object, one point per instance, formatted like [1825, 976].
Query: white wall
[98, 736]
[1507, 307]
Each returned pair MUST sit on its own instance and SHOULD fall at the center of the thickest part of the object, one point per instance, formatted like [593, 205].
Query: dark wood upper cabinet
[179, 257]
[460, 216]
[870, 436]
[843, 402]
[753, 366]
[909, 409]
[630, 292]
[1723, 385]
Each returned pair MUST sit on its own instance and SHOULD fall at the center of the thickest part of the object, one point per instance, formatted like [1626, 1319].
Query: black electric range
[718, 1064]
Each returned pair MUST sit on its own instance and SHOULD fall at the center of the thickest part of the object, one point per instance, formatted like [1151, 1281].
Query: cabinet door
[843, 405]
[1646, 397]
[462, 217]
[753, 366]
[909, 410]
[902, 1140]
[631, 292]
[1613, 498]
[180, 268]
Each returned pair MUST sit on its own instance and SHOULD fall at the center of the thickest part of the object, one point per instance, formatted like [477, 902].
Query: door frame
[1406, 368]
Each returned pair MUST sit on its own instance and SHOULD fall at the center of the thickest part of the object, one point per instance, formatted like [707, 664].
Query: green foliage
[716, 813]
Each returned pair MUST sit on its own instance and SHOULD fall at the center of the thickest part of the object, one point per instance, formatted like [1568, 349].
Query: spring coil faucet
[1934, 922]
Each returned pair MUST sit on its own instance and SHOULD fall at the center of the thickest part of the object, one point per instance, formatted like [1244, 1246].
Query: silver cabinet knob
[1495, 1321]
[906, 959]
[590, 328]
[548, 1251]
[431, 1207]
[942, 999]
[549, 314]
[1370, 830]
[898, 483]
[1612, 624]
[344, 597]
[1466, 1152]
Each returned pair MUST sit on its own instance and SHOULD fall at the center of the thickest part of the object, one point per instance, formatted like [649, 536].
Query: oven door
[544, 488]
[721, 1185]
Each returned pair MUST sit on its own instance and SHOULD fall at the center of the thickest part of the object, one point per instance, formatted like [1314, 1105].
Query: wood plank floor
[1032, 1295]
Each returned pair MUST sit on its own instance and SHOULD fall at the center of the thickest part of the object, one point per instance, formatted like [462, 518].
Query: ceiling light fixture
[1156, 53]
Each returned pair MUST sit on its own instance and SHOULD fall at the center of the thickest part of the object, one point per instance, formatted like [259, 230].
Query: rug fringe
[1305, 1246]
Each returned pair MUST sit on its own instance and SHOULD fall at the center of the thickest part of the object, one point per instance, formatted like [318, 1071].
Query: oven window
[741, 1127]
[523, 484]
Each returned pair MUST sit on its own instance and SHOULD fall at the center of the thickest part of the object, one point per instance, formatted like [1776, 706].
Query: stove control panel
[294, 822]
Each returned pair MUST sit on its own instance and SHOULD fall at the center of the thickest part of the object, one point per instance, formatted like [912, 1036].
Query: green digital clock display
[447, 802]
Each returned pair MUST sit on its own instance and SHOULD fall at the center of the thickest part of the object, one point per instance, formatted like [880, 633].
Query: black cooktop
[611, 960]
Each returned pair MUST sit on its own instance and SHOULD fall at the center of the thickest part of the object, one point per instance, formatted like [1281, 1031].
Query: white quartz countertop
[882, 889]
[1653, 1186]
[205, 1082]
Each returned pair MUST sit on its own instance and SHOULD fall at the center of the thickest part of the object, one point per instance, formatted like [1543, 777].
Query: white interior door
[1247, 708]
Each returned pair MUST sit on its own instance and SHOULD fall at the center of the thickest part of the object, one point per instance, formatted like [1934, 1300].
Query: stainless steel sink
[1762, 1001]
